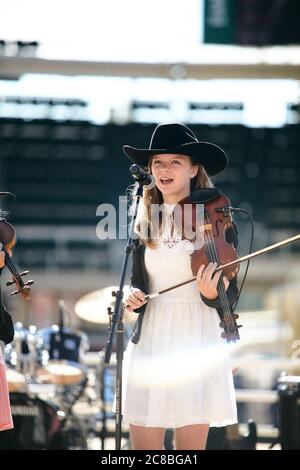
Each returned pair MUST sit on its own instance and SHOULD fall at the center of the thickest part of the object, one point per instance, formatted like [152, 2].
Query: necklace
[170, 235]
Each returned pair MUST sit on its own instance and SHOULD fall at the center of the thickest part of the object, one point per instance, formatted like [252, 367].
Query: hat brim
[6, 201]
[209, 155]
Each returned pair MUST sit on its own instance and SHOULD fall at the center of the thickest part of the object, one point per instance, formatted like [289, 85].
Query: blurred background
[80, 80]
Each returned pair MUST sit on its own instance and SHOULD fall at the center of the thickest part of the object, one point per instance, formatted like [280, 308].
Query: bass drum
[41, 425]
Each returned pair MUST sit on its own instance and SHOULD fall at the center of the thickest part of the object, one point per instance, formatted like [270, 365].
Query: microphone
[142, 177]
[227, 209]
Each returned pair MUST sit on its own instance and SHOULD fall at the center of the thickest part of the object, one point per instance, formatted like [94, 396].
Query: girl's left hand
[2, 257]
[207, 283]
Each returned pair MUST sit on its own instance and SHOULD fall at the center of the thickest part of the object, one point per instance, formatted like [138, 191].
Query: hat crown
[167, 136]
[176, 138]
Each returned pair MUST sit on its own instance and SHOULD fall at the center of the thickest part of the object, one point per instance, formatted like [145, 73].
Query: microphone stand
[61, 328]
[117, 320]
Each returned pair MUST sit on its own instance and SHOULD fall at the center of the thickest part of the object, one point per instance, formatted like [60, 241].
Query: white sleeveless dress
[179, 373]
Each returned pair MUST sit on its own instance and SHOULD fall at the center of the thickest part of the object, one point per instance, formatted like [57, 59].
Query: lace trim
[170, 236]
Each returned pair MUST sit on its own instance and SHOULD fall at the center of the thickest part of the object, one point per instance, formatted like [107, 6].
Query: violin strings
[222, 292]
[214, 256]
[11, 266]
[8, 263]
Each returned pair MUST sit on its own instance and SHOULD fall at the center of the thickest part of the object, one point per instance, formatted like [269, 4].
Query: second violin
[8, 240]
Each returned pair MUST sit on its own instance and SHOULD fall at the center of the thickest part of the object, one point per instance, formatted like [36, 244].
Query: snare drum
[15, 380]
[61, 373]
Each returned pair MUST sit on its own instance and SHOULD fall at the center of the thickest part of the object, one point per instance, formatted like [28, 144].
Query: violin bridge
[204, 227]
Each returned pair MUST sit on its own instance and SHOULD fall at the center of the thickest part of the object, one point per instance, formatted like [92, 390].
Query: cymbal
[92, 307]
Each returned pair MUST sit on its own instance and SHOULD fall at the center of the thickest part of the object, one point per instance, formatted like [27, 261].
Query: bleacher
[61, 172]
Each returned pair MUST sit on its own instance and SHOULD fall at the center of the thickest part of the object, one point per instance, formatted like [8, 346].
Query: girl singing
[177, 372]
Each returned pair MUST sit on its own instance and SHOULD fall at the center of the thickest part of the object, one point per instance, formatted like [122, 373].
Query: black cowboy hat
[179, 139]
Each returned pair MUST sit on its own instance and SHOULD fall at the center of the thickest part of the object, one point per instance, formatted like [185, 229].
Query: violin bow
[231, 263]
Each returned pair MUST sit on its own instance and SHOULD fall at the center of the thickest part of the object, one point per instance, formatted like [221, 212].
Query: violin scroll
[8, 240]
[24, 289]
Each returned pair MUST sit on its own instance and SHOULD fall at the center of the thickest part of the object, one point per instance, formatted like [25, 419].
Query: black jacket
[6, 325]
[139, 280]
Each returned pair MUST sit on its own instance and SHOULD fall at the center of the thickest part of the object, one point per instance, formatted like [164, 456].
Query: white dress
[179, 373]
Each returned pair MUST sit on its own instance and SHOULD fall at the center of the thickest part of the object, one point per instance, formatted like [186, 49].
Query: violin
[217, 221]
[8, 239]
[213, 224]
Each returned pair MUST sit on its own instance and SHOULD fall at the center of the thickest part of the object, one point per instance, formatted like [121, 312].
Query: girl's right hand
[135, 299]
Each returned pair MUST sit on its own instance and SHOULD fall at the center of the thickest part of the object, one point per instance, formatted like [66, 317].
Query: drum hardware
[97, 307]
[20, 355]
[40, 423]
[50, 356]
[103, 419]
[289, 412]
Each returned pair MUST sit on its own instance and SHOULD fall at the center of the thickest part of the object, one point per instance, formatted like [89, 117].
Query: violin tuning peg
[29, 283]
[15, 292]
[114, 294]
[24, 273]
[239, 326]
[10, 283]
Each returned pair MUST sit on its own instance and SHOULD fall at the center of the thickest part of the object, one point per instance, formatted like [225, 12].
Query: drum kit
[47, 375]
[43, 387]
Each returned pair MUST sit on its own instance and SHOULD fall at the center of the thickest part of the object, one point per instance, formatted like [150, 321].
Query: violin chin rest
[204, 195]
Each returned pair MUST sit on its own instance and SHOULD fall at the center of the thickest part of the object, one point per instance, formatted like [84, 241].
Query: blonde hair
[144, 227]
